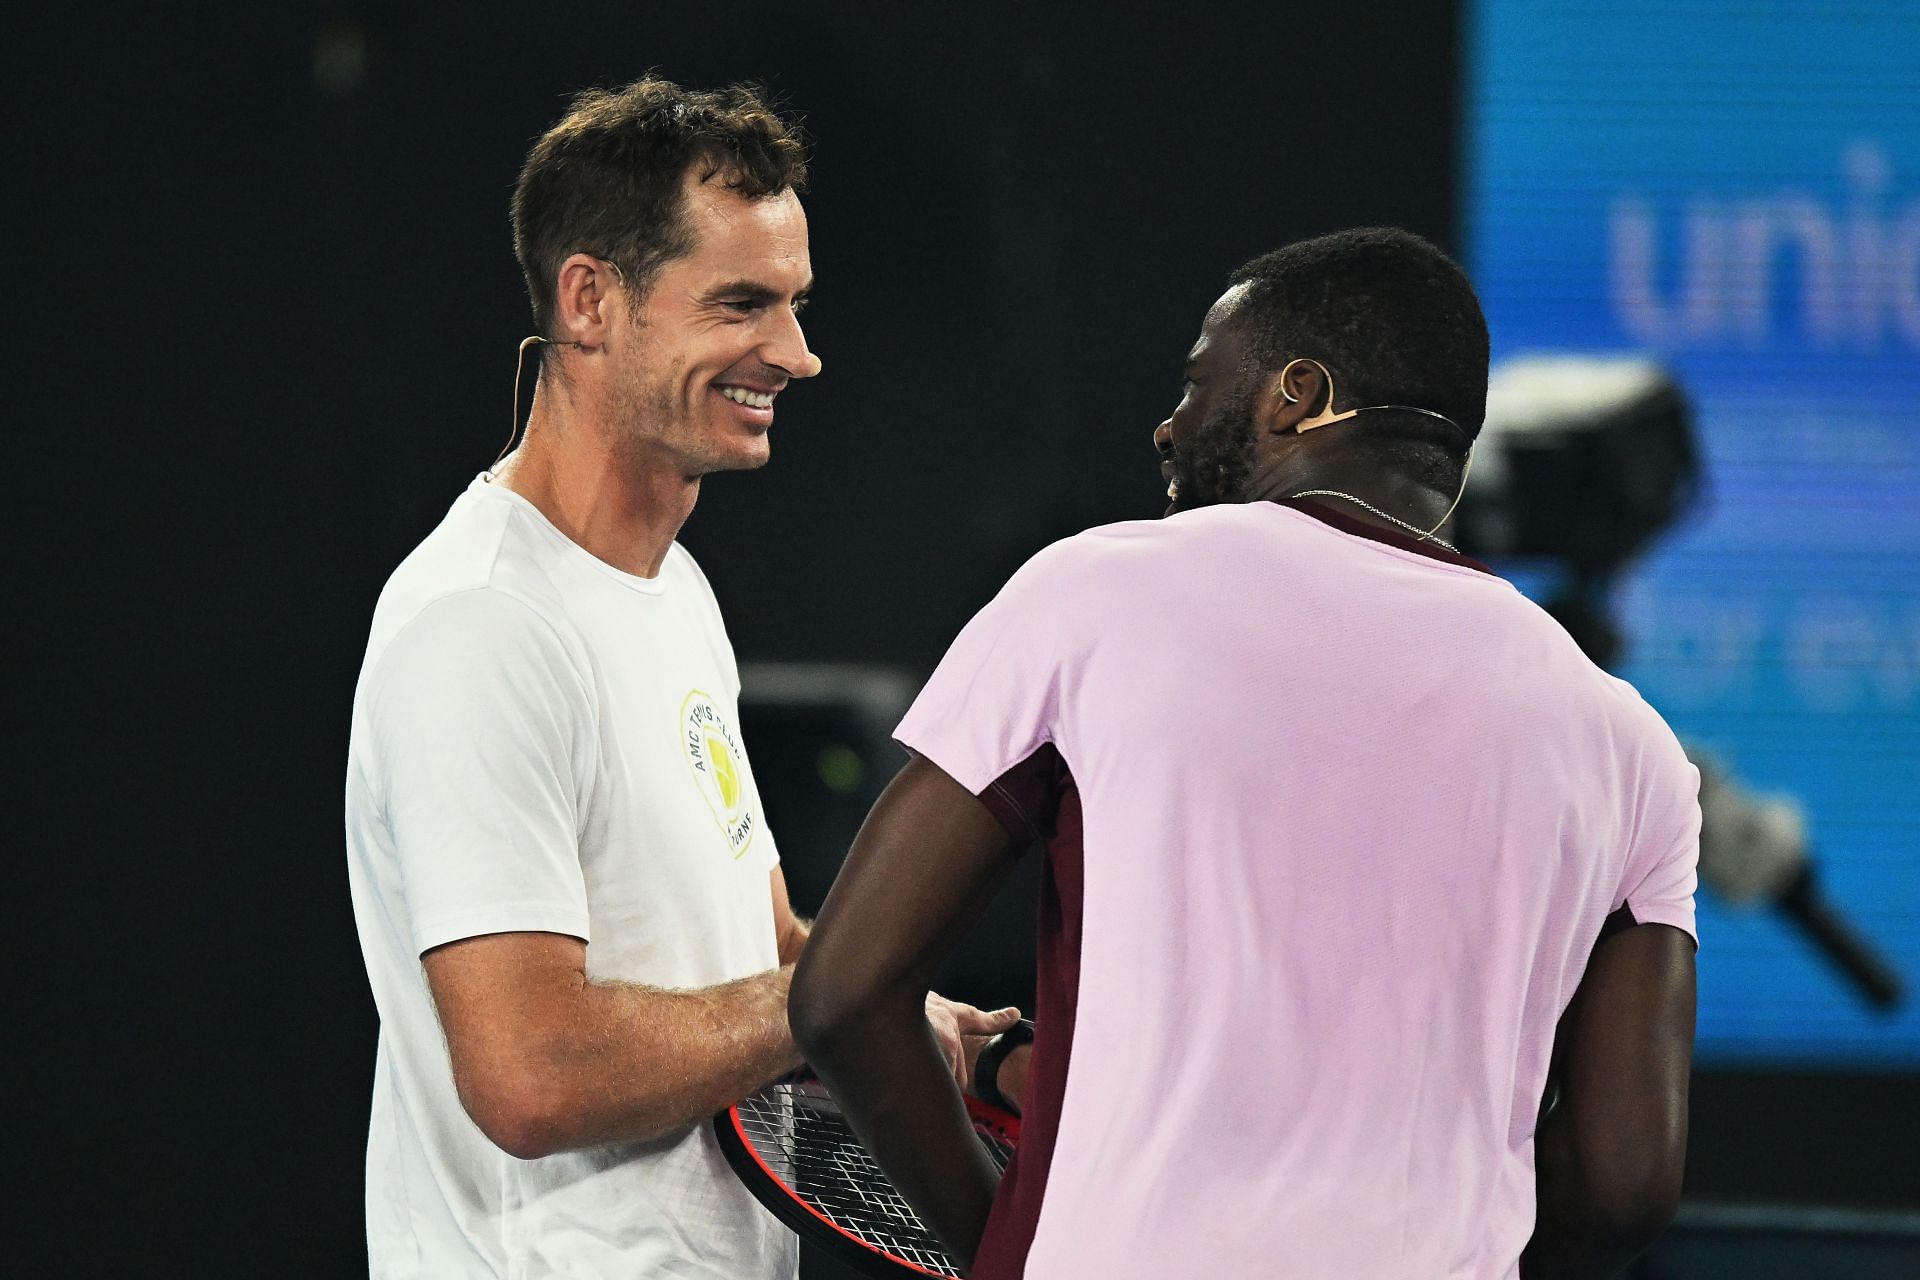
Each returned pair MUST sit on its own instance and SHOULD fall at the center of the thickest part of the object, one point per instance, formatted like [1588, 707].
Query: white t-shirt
[544, 743]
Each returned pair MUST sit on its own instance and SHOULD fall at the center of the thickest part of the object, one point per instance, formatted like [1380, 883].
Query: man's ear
[581, 299]
[1290, 397]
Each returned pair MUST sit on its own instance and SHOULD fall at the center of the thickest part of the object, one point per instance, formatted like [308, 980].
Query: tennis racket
[798, 1155]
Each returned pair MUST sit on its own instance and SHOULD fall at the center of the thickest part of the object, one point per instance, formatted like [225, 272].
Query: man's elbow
[1630, 1202]
[516, 1114]
[1628, 1225]
[818, 1012]
[830, 1008]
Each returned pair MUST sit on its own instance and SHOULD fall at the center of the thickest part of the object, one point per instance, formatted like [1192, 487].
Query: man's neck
[1398, 496]
[615, 506]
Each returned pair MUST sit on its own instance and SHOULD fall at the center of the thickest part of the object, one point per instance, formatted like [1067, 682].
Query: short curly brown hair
[607, 178]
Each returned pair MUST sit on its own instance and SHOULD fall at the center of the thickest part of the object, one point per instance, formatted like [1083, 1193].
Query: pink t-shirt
[1333, 820]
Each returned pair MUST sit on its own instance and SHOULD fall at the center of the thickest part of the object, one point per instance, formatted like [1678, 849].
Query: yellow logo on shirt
[719, 769]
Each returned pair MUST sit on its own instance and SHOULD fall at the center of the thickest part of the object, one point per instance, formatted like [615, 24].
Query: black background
[265, 312]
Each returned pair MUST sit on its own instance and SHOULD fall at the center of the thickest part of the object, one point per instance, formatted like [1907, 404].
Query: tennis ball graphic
[724, 772]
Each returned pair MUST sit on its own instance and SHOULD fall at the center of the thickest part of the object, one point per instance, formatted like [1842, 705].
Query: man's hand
[963, 1031]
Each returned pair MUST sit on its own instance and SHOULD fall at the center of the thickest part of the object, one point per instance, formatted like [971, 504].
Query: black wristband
[986, 1068]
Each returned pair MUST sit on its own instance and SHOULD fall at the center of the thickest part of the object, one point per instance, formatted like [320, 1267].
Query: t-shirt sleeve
[994, 699]
[1662, 867]
[483, 728]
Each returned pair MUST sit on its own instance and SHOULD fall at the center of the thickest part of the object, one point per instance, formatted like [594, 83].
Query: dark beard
[1217, 463]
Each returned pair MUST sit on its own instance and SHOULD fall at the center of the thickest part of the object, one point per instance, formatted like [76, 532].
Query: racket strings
[800, 1134]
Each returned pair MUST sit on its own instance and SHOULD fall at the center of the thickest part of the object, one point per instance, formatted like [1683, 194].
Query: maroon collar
[1392, 537]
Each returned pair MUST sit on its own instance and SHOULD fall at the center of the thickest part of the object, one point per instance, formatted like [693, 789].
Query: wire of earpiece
[513, 421]
[519, 366]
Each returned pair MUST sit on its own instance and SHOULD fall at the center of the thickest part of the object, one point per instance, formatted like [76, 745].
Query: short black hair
[606, 179]
[1394, 320]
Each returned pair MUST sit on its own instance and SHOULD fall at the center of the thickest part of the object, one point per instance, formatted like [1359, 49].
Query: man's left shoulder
[680, 563]
[697, 607]
[683, 574]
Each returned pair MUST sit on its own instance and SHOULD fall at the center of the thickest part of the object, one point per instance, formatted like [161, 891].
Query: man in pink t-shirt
[1367, 917]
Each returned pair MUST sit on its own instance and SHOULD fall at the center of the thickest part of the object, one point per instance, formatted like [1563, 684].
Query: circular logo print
[719, 769]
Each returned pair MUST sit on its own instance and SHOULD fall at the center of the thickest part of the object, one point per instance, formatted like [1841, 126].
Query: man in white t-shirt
[1353, 859]
[570, 905]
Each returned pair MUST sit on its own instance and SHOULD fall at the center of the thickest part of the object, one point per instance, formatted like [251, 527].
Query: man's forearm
[891, 1080]
[633, 1063]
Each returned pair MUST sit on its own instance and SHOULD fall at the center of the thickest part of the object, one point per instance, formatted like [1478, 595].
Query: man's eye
[800, 304]
[745, 306]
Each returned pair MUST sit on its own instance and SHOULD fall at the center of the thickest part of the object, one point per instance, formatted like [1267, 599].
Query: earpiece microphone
[1327, 417]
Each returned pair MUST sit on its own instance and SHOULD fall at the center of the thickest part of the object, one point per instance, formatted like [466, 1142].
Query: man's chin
[750, 458]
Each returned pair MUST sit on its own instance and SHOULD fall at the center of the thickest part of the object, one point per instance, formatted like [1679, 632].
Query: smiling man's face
[718, 336]
[1207, 444]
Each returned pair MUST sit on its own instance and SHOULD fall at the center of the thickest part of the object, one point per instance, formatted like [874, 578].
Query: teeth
[1173, 488]
[755, 399]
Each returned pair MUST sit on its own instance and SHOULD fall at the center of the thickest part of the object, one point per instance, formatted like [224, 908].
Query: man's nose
[789, 350]
[1163, 436]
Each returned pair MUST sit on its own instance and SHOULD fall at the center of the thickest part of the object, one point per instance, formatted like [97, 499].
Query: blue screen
[1733, 186]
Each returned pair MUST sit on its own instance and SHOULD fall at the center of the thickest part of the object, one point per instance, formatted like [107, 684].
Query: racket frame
[815, 1227]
